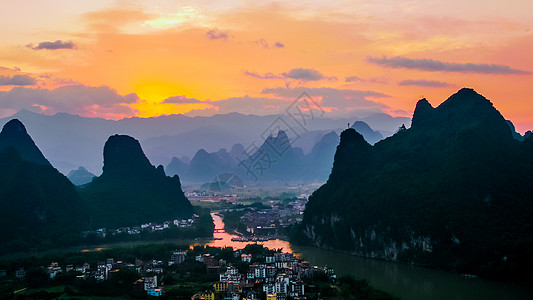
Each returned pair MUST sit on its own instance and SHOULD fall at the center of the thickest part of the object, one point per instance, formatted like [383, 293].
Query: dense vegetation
[202, 229]
[56, 239]
[453, 191]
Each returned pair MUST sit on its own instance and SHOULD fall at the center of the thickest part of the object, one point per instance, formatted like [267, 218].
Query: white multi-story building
[269, 288]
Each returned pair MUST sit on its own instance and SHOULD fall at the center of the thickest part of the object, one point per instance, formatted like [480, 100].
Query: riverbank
[410, 282]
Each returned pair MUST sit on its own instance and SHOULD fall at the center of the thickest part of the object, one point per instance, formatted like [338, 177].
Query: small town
[278, 277]
[273, 220]
[262, 221]
[254, 272]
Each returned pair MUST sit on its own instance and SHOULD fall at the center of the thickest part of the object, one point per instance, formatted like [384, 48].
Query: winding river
[405, 281]
[223, 239]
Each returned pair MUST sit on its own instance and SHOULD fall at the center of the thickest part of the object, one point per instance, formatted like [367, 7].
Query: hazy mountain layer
[275, 159]
[370, 135]
[80, 176]
[69, 141]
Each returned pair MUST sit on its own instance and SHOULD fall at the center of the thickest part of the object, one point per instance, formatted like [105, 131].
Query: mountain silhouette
[80, 176]
[204, 166]
[36, 200]
[132, 191]
[370, 135]
[14, 135]
[236, 151]
[321, 157]
[453, 191]
[176, 167]
[275, 159]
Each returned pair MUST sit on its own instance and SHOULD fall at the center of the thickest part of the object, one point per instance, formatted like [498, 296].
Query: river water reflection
[408, 282]
[223, 239]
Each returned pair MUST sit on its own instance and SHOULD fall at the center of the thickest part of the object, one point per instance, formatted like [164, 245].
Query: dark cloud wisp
[59, 44]
[215, 34]
[304, 74]
[365, 80]
[298, 73]
[439, 66]
[264, 43]
[262, 76]
[295, 92]
[181, 100]
[17, 80]
[352, 79]
[16, 69]
[425, 83]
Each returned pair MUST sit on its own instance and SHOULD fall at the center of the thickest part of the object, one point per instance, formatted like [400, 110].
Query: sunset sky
[116, 59]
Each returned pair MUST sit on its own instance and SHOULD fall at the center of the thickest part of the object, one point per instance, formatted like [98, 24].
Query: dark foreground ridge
[36, 201]
[453, 191]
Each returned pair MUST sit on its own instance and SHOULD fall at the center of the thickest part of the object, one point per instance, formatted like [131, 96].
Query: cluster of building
[151, 227]
[147, 286]
[102, 270]
[267, 222]
[280, 276]
[211, 197]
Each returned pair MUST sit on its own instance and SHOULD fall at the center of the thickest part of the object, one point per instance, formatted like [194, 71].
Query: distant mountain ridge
[275, 159]
[80, 176]
[453, 191]
[69, 141]
[370, 135]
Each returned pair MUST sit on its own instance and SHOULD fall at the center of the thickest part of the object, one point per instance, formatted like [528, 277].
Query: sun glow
[152, 95]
